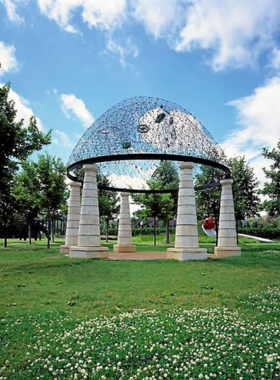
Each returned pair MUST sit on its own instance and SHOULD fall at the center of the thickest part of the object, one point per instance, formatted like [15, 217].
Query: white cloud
[122, 50]
[7, 58]
[70, 103]
[127, 181]
[275, 59]
[234, 33]
[161, 18]
[102, 14]
[24, 111]
[73, 30]
[11, 10]
[62, 139]
[259, 118]
[237, 31]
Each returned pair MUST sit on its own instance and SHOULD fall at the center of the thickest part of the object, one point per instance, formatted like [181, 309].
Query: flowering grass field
[71, 319]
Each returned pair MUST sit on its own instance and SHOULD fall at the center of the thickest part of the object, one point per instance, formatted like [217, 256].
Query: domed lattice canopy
[130, 139]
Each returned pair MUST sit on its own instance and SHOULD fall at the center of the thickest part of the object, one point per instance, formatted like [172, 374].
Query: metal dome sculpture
[130, 139]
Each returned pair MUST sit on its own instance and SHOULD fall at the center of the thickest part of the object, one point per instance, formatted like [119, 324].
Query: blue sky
[70, 60]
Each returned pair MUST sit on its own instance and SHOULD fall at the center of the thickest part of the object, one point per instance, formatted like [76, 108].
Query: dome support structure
[127, 144]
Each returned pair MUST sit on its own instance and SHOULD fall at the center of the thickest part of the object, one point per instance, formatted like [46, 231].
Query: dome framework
[130, 139]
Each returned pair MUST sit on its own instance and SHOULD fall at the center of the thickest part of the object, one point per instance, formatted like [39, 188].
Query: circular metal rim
[148, 156]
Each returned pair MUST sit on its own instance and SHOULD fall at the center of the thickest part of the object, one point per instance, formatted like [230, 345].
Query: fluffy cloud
[233, 32]
[71, 29]
[11, 9]
[7, 58]
[161, 18]
[24, 111]
[236, 31]
[98, 13]
[73, 105]
[259, 120]
[62, 139]
[127, 181]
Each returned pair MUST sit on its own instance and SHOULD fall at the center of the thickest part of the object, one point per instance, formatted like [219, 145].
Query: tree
[245, 190]
[26, 191]
[17, 142]
[51, 174]
[109, 206]
[208, 200]
[163, 206]
[272, 188]
[41, 188]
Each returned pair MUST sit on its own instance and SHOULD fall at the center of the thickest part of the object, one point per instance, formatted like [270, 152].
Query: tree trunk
[5, 234]
[155, 232]
[107, 230]
[217, 229]
[29, 231]
[49, 233]
[167, 240]
[53, 229]
[237, 231]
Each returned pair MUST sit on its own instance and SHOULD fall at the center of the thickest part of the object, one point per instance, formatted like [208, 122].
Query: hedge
[141, 231]
[269, 233]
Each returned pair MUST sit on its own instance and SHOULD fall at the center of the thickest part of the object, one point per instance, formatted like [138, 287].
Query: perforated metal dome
[129, 140]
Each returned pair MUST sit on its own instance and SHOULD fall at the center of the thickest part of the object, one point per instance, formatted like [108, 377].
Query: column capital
[228, 181]
[125, 194]
[90, 168]
[75, 184]
[186, 165]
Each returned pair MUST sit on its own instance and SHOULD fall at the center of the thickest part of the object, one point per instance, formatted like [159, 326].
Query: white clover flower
[269, 358]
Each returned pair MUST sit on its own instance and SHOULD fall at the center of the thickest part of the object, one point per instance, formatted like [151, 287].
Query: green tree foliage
[26, 191]
[272, 188]
[52, 176]
[162, 206]
[17, 142]
[109, 206]
[245, 190]
[208, 201]
[41, 187]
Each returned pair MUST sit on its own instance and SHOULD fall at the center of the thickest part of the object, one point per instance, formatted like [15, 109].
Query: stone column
[227, 239]
[73, 218]
[88, 246]
[124, 232]
[186, 237]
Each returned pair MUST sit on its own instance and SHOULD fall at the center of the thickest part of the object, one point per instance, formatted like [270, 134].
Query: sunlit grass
[61, 317]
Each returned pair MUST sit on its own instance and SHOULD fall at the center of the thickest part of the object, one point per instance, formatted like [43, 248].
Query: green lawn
[47, 300]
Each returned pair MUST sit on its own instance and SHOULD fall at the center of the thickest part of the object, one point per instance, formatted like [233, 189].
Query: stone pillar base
[64, 249]
[183, 254]
[124, 248]
[227, 251]
[88, 252]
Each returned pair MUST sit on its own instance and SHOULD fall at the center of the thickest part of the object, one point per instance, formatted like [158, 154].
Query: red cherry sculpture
[209, 223]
